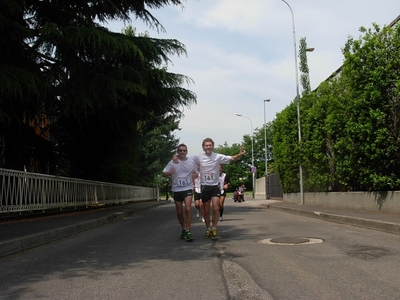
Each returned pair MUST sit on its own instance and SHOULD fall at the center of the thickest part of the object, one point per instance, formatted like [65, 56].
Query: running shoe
[214, 235]
[183, 234]
[197, 215]
[221, 218]
[203, 220]
[188, 236]
[208, 234]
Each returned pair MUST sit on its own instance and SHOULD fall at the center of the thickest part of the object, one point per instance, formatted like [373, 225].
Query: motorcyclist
[241, 190]
[238, 195]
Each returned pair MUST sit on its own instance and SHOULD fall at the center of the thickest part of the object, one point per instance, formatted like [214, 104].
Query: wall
[260, 189]
[274, 188]
[372, 201]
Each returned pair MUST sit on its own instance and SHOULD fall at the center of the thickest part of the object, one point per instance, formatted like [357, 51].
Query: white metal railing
[22, 191]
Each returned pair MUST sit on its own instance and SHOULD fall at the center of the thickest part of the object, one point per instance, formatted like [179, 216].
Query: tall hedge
[350, 124]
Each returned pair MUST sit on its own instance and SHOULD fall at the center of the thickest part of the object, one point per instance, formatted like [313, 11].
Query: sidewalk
[17, 235]
[20, 235]
[383, 221]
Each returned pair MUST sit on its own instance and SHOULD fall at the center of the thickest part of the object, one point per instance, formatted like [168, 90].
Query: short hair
[181, 145]
[207, 140]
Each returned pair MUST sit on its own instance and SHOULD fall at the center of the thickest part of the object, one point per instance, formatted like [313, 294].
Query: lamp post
[298, 104]
[265, 150]
[252, 149]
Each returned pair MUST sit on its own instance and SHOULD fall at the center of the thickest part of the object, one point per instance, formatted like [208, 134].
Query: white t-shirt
[197, 186]
[209, 166]
[222, 181]
[182, 178]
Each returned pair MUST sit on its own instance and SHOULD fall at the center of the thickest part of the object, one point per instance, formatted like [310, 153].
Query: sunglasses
[181, 150]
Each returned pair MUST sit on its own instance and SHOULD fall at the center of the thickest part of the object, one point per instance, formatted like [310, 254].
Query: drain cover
[291, 241]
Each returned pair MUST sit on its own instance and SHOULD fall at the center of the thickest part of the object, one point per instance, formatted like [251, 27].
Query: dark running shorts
[197, 196]
[209, 191]
[180, 196]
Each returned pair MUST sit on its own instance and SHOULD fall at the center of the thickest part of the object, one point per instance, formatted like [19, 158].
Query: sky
[240, 52]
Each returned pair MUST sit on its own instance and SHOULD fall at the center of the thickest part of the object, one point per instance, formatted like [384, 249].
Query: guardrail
[22, 191]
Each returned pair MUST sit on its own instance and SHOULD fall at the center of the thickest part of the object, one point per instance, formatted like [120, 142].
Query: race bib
[184, 181]
[208, 177]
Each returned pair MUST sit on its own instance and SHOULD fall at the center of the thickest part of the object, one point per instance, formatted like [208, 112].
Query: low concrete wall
[372, 201]
[260, 189]
[274, 189]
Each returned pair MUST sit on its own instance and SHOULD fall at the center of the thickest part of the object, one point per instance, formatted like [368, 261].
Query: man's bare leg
[206, 209]
[188, 209]
[215, 209]
[179, 213]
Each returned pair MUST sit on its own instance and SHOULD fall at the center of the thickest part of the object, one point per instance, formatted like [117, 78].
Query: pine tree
[95, 85]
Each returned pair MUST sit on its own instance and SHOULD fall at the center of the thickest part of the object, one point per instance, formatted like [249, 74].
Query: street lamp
[298, 104]
[252, 150]
[265, 150]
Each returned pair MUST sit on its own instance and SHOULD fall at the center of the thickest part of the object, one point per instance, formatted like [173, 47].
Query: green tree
[303, 66]
[97, 86]
[324, 116]
[157, 144]
[286, 148]
[259, 150]
[350, 124]
[238, 171]
[371, 72]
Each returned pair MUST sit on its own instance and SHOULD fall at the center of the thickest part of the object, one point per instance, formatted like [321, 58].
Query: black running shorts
[197, 196]
[209, 191]
[180, 196]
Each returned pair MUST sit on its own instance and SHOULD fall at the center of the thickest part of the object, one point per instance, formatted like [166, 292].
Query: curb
[31, 241]
[359, 222]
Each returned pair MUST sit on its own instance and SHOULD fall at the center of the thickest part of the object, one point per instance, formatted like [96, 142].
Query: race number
[208, 177]
[184, 182]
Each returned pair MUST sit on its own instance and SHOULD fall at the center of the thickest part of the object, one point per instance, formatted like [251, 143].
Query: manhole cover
[291, 241]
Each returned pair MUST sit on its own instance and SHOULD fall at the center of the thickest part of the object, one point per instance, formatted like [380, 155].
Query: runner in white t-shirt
[210, 192]
[224, 183]
[182, 188]
[197, 194]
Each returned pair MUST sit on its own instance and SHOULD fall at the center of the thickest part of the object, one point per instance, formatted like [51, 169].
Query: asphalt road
[261, 254]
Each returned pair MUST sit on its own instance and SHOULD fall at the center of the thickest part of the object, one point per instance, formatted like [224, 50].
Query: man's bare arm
[239, 155]
[170, 173]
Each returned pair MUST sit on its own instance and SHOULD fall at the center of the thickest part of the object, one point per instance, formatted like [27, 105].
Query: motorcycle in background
[238, 196]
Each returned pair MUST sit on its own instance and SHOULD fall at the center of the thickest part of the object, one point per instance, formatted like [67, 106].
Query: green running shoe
[188, 236]
[208, 234]
[214, 235]
[183, 234]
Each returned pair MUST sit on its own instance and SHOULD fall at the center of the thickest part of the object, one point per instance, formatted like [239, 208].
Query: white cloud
[241, 52]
